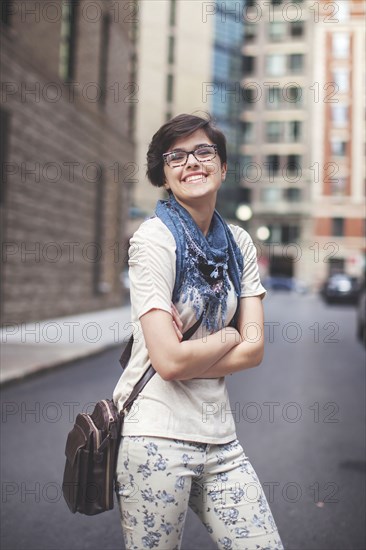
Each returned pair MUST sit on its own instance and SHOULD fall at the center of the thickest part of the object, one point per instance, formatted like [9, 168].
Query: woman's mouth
[195, 178]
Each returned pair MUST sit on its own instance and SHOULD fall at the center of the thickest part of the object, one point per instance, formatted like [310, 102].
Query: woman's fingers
[176, 317]
[179, 334]
[177, 323]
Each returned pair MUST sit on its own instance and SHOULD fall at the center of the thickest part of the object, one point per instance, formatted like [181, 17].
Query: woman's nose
[191, 159]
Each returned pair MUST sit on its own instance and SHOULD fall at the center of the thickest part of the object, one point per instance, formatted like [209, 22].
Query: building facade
[66, 153]
[261, 67]
[276, 132]
[226, 100]
[174, 75]
[294, 89]
[338, 137]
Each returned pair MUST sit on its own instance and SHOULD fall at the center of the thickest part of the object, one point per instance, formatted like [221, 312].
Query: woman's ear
[165, 183]
[223, 171]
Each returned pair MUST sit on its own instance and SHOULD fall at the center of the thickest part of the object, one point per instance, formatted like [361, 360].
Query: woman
[178, 449]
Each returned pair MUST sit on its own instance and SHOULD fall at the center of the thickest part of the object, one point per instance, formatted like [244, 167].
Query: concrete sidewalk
[32, 347]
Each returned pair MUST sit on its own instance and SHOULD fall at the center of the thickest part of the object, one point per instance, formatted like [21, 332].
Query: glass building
[227, 98]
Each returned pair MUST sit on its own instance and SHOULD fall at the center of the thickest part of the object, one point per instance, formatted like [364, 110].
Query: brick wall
[355, 227]
[323, 227]
[63, 217]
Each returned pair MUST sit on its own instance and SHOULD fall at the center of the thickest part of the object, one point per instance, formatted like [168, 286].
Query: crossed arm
[224, 352]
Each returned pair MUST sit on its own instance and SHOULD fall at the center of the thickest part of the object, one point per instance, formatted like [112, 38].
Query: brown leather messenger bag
[92, 447]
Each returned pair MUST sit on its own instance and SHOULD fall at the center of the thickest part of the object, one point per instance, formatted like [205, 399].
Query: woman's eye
[203, 151]
[177, 156]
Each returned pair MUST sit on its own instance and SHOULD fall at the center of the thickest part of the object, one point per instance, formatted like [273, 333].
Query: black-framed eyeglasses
[202, 153]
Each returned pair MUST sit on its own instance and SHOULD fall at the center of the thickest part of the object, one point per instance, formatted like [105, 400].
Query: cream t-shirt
[196, 409]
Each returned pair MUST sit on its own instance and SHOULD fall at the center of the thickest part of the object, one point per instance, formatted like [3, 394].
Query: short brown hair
[178, 127]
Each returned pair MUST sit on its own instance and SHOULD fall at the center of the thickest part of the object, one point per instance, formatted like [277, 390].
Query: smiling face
[195, 182]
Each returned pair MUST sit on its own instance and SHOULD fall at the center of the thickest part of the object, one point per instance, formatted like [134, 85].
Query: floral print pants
[158, 478]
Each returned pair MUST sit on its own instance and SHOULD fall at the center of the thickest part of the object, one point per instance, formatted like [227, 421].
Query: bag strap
[126, 354]
[149, 373]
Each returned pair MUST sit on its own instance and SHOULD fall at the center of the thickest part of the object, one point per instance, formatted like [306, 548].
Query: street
[300, 418]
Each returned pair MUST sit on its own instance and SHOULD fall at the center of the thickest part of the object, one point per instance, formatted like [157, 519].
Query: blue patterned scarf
[203, 264]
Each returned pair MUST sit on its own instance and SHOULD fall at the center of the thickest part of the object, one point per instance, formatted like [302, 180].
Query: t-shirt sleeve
[250, 283]
[151, 260]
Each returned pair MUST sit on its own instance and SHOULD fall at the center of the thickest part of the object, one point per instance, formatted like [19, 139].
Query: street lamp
[243, 212]
[263, 233]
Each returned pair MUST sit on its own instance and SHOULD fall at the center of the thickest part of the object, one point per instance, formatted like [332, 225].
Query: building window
[230, 133]
[248, 64]
[338, 227]
[104, 51]
[274, 233]
[222, 63]
[340, 45]
[276, 2]
[248, 132]
[247, 159]
[5, 12]
[274, 131]
[250, 32]
[294, 131]
[338, 148]
[250, 97]
[293, 95]
[228, 33]
[286, 98]
[68, 40]
[341, 79]
[273, 164]
[277, 31]
[249, 167]
[338, 186]
[339, 116]
[283, 233]
[219, 107]
[274, 97]
[271, 194]
[276, 65]
[290, 233]
[296, 62]
[171, 44]
[296, 28]
[172, 12]
[169, 88]
[293, 194]
[294, 164]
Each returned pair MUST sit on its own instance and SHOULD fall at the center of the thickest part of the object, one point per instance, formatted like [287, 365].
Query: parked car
[361, 313]
[281, 282]
[340, 287]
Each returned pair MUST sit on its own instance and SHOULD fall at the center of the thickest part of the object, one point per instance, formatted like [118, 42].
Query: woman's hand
[177, 323]
[249, 352]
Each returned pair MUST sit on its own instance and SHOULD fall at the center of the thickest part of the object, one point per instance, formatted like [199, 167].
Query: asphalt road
[300, 418]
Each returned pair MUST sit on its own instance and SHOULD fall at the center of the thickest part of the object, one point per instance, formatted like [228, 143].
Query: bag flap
[76, 440]
[105, 415]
